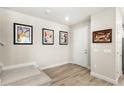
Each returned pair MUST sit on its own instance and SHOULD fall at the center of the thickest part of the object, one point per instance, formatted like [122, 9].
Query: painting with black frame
[63, 38]
[23, 34]
[47, 36]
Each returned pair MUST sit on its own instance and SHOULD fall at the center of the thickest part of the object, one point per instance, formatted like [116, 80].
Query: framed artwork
[23, 34]
[63, 38]
[47, 36]
[102, 36]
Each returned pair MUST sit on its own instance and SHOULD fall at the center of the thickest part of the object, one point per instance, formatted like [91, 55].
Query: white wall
[119, 35]
[103, 56]
[0, 37]
[0, 27]
[80, 34]
[45, 55]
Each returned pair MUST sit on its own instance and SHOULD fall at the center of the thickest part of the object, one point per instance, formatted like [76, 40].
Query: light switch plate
[95, 50]
[107, 50]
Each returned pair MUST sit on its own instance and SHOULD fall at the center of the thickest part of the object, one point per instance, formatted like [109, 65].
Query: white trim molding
[115, 82]
[1, 64]
[35, 64]
[2, 43]
[51, 66]
[118, 76]
[74, 62]
[19, 65]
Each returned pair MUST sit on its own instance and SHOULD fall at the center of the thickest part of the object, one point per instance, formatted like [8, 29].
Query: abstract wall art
[23, 34]
[47, 36]
[63, 38]
[102, 36]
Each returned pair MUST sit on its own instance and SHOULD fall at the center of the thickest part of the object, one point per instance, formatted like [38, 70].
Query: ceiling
[73, 15]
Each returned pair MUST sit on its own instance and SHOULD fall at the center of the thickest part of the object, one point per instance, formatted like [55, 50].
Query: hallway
[73, 75]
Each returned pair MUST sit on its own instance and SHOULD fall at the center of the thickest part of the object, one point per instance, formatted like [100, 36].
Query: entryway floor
[74, 75]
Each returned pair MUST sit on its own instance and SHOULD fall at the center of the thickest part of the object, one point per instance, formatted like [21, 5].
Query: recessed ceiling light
[67, 18]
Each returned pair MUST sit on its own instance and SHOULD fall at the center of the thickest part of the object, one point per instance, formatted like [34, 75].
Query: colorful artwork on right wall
[102, 36]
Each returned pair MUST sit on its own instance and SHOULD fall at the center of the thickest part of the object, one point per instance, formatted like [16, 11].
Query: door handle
[85, 52]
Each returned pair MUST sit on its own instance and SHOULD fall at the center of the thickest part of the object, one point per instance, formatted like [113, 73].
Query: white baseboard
[119, 75]
[19, 65]
[115, 82]
[2, 43]
[32, 63]
[55, 65]
[88, 67]
[1, 64]
[0, 82]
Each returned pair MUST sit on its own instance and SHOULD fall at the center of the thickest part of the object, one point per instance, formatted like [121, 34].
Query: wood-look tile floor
[73, 75]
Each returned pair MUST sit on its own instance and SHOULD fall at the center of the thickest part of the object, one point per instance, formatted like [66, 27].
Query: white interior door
[81, 45]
